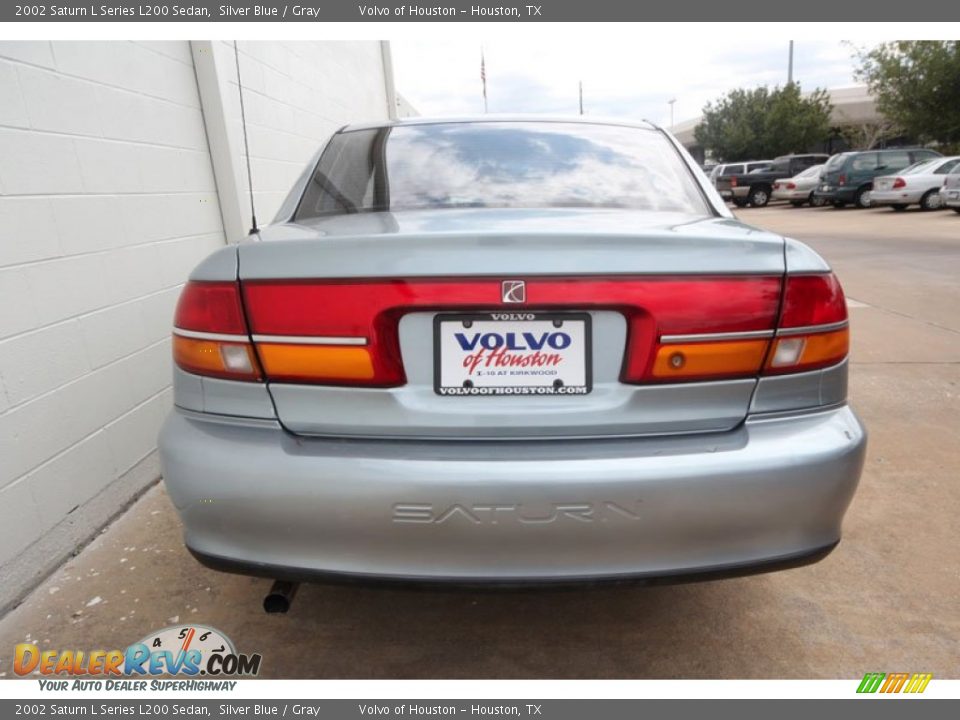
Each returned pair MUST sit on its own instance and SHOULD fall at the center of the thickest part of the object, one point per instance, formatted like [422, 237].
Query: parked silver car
[510, 350]
[798, 190]
[950, 192]
[917, 185]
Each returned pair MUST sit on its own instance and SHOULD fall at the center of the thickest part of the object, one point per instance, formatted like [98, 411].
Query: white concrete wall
[295, 96]
[108, 198]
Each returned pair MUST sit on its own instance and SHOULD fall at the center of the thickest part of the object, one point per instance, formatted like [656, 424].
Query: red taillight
[210, 335]
[212, 307]
[842, 180]
[776, 186]
[365, 314]
[791, 186]
[345, 332]
[899, 183]
[733, 181]
[812, 300]
[813, 331]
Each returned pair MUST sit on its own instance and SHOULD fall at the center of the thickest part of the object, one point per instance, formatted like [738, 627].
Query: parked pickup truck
[754, 188]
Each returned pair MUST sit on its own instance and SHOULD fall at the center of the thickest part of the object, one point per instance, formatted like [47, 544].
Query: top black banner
[472, 11]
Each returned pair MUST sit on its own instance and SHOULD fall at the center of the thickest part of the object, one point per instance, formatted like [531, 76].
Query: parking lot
[888, 599]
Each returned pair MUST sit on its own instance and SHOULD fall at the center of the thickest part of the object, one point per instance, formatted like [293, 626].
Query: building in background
[121, 166]
[404, 108]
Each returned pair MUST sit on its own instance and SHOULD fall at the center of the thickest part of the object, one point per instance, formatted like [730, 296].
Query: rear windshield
[919, 167]
[812, 171]
[837, 160]
[780, 166]
[500, 165]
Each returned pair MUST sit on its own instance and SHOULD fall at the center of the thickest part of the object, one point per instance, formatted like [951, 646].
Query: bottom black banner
[874, 708]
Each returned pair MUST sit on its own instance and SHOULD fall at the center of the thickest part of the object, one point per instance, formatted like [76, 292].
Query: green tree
[764, 123]
[917, 86]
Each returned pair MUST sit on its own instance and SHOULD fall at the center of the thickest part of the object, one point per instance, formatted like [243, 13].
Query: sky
[631, 80]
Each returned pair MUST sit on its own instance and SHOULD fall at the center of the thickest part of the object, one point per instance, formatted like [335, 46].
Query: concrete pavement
[888, 599]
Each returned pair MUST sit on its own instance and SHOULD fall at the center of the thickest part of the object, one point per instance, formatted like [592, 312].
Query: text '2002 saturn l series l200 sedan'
[509, 350]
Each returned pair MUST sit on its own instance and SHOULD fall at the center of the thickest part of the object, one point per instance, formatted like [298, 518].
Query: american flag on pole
[483, 78]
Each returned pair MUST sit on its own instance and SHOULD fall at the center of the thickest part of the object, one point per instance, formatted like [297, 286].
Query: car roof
[575, 119]
[891, 150]
[743, 162]
[938, 161]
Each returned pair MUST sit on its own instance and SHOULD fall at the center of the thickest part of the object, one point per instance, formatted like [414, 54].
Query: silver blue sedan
[504, 351]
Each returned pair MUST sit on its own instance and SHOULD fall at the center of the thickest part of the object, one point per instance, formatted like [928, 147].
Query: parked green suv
[848, 177]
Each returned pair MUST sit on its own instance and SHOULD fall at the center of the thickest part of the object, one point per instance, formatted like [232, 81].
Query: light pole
[790, 65]
[670, 103]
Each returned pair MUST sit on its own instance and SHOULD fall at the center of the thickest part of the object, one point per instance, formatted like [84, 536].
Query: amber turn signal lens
[314, 363]
[709, 359]
[231, 361]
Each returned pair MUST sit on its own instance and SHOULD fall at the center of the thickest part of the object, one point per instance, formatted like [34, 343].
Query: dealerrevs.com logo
[180, 651]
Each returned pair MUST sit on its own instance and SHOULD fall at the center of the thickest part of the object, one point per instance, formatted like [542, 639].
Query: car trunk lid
[375, 292]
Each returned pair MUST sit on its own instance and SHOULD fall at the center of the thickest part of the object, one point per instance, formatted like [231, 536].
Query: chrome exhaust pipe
[280, 597]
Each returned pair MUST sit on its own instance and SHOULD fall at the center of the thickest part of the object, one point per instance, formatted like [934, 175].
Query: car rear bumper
[894, 197]
[790, 195]
[258, 500]
[687, 575]
[836, 194]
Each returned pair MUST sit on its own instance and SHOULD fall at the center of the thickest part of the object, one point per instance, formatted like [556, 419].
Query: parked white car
[919, 184]
[799, 189]
[950, 192]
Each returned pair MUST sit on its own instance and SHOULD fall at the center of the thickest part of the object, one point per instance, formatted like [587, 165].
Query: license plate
[512, 353]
